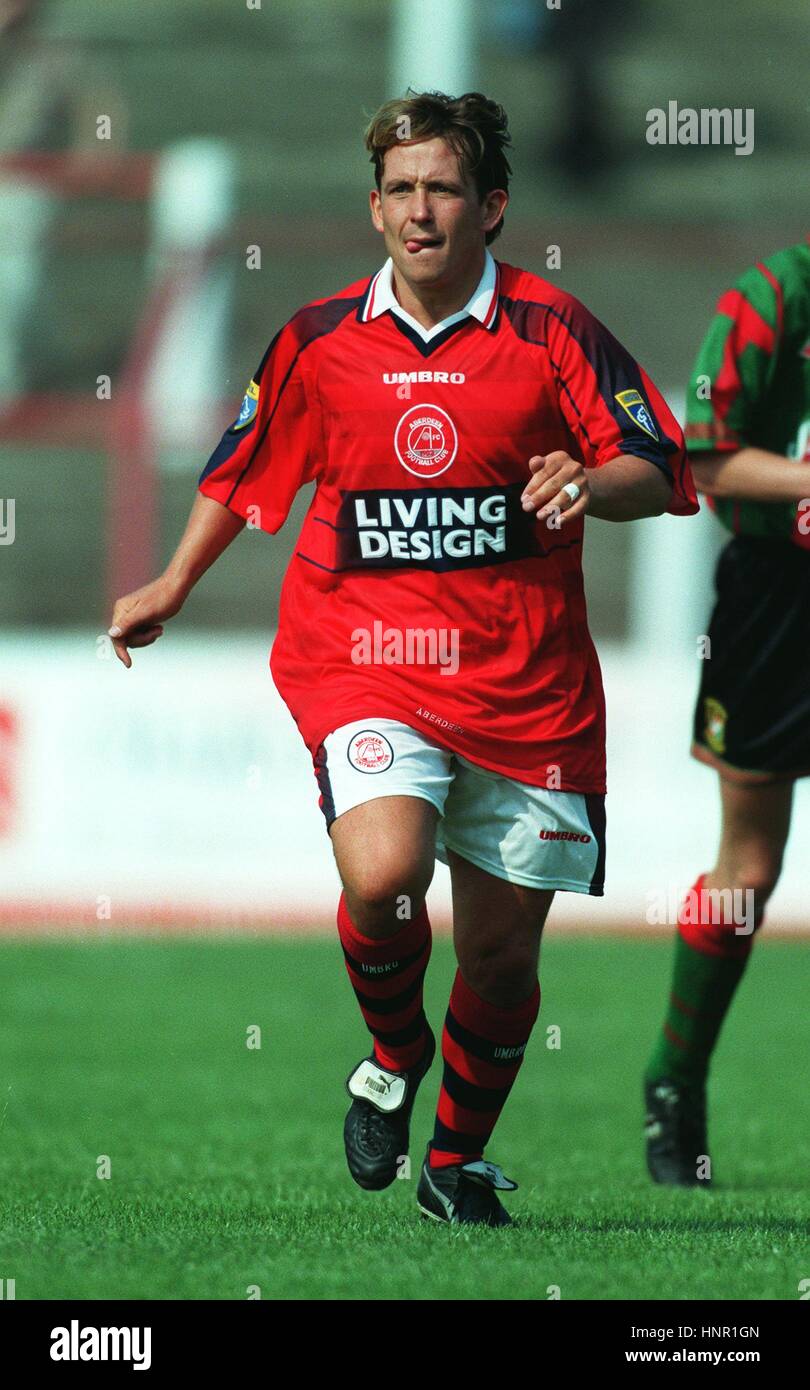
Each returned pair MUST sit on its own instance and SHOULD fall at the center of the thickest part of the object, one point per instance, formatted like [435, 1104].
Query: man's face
[429, 213]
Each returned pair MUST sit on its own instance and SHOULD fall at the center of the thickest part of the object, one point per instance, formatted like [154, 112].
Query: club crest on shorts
[426, 440]
[636, 408]
[248, 408]
[369, 751]
[716, 717]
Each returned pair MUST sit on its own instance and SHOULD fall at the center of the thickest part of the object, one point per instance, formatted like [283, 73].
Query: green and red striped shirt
[751, 383]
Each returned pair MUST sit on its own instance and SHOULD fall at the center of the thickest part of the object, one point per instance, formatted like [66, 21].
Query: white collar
[481, 305]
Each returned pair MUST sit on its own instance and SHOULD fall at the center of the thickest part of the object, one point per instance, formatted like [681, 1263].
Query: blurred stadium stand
[648, 248]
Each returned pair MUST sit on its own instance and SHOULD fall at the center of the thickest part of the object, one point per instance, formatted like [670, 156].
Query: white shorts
[524, 834]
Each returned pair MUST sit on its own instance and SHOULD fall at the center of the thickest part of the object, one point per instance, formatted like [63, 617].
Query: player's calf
[387, 977]
[384, 850]
[716, 926]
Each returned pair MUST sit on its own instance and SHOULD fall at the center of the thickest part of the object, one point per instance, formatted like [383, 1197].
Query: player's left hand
[545, 495]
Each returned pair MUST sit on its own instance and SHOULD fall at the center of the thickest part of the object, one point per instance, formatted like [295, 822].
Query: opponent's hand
[137, 619]
[544, 494]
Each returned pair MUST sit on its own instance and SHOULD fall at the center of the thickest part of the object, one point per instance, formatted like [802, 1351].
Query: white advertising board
[179, 793]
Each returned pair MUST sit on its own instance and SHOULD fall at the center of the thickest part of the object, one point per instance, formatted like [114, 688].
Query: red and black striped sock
[482, 1047]
[387, 977]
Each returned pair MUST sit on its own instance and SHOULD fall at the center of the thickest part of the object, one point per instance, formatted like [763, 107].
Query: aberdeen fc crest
[370, 751]
[426, 440]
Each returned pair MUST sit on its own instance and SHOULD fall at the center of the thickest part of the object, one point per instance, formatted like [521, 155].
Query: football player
[459, 417]
[748, 436]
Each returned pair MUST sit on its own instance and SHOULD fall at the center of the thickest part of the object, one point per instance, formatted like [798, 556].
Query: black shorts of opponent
[752, 718]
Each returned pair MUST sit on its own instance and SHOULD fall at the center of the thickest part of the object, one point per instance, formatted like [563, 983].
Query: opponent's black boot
[464, 1194]
[675, 1131]
[377, 1126]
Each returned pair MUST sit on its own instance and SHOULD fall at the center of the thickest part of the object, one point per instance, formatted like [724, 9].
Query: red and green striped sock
[710, 959]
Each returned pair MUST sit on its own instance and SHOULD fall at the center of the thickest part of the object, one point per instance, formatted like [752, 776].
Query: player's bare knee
[387, 894]
[503, 975]
[755, 871]
[761, 887]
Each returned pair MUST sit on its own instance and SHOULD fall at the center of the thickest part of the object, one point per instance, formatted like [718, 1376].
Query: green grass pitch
[227, 1172]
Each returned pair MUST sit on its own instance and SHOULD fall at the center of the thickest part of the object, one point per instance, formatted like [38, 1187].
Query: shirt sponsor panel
[439, 529]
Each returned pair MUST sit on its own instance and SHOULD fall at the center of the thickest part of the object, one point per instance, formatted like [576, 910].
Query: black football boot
[464, 1194]
[377, 1126]
[675, 1131]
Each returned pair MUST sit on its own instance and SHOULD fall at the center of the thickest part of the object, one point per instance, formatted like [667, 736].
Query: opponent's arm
[138, 619]
[755, 474]
[623, 489]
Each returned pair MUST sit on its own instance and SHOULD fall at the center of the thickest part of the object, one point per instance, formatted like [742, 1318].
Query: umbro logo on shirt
[445, 378]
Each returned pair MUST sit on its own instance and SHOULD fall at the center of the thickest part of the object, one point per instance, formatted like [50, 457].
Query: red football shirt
[419, 451]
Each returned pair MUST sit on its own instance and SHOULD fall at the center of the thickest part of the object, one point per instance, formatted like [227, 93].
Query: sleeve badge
[636, 408]
[248, 408]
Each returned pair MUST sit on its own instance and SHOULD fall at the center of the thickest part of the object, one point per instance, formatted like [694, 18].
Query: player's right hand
[137, 619]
